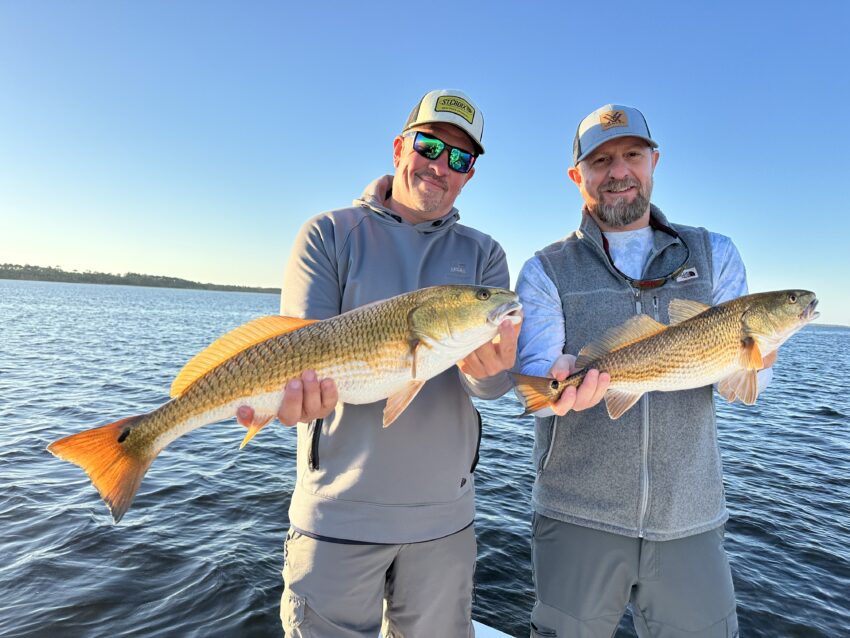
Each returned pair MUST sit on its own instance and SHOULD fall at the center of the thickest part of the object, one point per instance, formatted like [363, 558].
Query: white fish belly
[359, 382]
[265, 404]
[695, 375]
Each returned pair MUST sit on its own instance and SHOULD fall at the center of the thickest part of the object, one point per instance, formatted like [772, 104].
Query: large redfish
[702, 345]
[384, 350]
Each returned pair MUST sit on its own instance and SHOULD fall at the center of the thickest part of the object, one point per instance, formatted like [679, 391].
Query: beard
[620, 212]
[430, 198]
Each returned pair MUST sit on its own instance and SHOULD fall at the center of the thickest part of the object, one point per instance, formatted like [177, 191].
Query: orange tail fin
[112, 469]
[535, 393]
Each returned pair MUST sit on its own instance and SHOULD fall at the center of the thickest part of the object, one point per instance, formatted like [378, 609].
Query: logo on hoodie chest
[458, 269]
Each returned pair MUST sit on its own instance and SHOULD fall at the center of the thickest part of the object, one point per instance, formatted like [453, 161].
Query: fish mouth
[511, 310]
[809, 313]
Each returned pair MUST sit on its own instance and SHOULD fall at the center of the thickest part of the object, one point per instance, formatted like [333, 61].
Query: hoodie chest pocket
[477, 443]
[315, 435]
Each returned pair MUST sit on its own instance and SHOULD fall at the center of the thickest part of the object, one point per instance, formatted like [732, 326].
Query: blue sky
[193, 138]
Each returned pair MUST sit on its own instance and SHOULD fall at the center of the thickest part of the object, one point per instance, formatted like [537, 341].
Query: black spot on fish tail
[124, 434]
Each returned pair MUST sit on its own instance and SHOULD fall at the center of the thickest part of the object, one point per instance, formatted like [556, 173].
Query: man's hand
[494, 356]
[304, 400]
[588, 394]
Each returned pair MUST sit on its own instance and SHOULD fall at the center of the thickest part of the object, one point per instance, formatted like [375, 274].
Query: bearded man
[629, 510]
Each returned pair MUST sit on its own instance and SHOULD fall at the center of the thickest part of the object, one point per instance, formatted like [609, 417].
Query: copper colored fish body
[385, 350]
[703, 345]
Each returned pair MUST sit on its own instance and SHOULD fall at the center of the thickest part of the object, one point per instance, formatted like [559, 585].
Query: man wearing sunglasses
[629, 510]
[382, 518]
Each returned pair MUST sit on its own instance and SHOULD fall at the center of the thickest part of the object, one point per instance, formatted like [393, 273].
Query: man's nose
[619, 168]
[440, 165]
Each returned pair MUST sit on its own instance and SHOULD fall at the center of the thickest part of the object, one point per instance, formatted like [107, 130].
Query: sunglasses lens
[460, 161]
[429, 147]
[432, 147]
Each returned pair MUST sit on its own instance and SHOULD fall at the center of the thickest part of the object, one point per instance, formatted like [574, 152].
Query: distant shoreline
[48, 273]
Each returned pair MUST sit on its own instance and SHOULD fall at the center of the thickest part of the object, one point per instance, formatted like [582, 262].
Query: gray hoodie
[412, 481]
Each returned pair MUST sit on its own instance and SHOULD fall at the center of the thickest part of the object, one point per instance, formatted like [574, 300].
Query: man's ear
[398, 144]
[575, 175]
[655, 156]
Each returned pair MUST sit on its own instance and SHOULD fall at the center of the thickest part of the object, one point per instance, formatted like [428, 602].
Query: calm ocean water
[199, 553]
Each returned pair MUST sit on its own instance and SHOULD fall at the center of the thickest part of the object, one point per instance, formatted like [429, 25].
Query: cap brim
[588, 151]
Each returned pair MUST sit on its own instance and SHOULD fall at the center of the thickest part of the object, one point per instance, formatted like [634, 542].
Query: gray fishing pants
[418, 590]
[584, 578]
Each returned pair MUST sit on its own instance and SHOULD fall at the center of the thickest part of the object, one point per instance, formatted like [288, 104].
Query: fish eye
[483, 294]
[792, 298]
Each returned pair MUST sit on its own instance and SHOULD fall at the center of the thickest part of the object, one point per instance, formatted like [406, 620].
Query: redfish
[703, 345]
[384, 350]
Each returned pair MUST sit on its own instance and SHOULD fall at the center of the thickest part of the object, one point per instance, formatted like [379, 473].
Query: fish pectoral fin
[750, 357]
[681, 310]
[232, 343]
[618, 402]
[415, 348]
[397, 402]
[535, 393]
[742, 384]
[631, 331]
[259, 423]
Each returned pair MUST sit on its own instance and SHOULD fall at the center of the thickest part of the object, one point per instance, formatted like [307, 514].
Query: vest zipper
[644, 445]
[644, 464]
[644, 440]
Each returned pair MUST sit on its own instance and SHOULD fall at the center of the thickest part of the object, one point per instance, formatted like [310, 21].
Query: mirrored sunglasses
[431, 148]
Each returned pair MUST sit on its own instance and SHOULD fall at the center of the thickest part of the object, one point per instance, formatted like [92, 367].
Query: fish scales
[266, 366]
[680, 356]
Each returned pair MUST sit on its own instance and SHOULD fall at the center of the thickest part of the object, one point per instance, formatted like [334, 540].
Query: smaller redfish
[703, 345]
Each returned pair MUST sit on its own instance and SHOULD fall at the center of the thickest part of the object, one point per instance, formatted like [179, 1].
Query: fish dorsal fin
[397, 402]
[636, 328]
[681, 310]
[231, 344]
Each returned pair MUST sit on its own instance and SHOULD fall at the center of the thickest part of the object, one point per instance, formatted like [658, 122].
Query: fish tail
[535, 393]
[112, 469]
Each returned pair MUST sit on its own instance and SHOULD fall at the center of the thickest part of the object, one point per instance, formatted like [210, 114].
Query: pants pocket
[542, 632]
[543, 619]
[292, 609]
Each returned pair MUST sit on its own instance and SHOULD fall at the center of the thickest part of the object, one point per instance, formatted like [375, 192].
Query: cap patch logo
[612, 119]
[455, 105]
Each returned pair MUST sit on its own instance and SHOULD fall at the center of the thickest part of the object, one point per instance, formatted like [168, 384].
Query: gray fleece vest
[656, 471]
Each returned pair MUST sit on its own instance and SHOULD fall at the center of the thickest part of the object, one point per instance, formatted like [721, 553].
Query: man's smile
[431, 180]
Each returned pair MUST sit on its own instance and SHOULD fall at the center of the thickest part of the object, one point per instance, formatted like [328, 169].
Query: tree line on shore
[50, 273]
